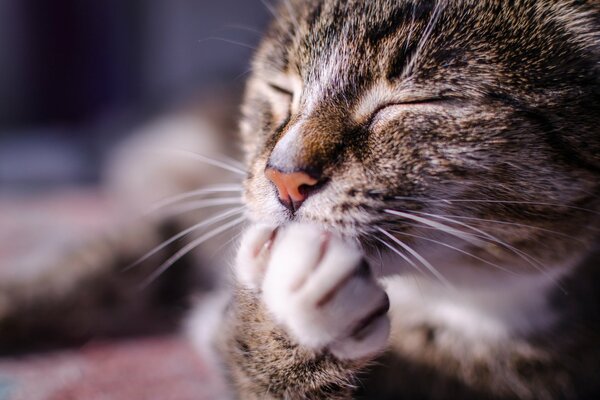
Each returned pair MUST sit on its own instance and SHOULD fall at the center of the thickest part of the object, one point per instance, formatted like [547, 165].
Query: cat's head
[415, 117]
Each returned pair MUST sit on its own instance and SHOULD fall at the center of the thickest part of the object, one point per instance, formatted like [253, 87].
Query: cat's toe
[368, 337]
[253, 255]
[297, 252]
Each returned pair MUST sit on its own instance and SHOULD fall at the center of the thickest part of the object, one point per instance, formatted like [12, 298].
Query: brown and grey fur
[514, 123]
[487, 110]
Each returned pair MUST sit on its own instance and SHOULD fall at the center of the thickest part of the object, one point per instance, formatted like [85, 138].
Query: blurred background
[77, 79]
[76, 76]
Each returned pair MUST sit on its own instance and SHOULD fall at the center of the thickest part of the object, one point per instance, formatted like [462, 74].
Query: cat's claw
[318, 287]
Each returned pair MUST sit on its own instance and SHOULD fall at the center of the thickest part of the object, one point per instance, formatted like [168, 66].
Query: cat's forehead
[337, 46]
[349, 41]
[343, 51]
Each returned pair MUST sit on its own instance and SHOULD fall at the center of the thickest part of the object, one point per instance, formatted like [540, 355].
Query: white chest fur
[480, 305]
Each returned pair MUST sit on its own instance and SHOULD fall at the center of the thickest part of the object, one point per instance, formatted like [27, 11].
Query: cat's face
[393, 112]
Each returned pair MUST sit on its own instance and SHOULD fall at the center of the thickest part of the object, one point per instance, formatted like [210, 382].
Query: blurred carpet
[164, 368]
[161, 367]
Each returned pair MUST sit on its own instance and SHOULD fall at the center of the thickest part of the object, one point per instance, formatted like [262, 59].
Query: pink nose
[293, 188]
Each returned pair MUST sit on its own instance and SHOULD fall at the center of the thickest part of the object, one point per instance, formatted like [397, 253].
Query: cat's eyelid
[382, 94]
[423, 103]
[408, 102]
[284, 84]
[418, 100]
[280, 89]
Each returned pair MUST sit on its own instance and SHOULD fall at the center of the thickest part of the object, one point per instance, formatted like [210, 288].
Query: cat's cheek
[254, 254]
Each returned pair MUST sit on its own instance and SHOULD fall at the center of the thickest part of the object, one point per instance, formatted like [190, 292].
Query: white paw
[253, 255]
[318, 287]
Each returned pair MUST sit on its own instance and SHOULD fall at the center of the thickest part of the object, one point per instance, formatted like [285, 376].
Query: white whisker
[197, 205]
[489, 236]
[398, 252]
[183, 233]
[514, 224]
[418, 256]
[188, 248]
[435, 16]
[227, 243]
[458, 250]
[274, 13]
[508, 202]
[535, 263]
[230, 41]
[243, 74]
[430, 228]
[244, 28]
[439, 226]
[216, 189]
[233, 162]
[228, 165]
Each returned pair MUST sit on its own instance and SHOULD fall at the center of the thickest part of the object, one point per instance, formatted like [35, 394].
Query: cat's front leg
[308, 315]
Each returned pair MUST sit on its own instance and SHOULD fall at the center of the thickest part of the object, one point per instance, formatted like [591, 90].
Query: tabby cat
[423, 193]
[424, 180]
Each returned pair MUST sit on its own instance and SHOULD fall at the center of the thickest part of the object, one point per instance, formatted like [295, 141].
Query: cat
[422, 187]
[423, 181]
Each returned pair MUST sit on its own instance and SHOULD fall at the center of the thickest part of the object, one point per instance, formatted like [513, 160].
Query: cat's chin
[280, 220]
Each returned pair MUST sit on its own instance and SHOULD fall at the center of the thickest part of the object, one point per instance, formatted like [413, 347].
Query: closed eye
[414, 104]
[281, 100]
[281, 90]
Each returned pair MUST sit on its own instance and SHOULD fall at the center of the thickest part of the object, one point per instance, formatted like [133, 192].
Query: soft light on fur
[457, 142]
